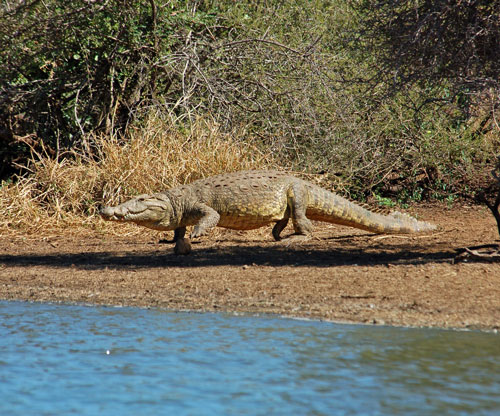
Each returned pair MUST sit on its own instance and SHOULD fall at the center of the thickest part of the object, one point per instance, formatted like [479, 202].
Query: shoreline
[342, 275]
[255, 314]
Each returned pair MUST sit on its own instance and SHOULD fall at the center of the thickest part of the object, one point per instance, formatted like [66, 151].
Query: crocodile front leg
[209, 219]
[179, 233]
[182, 245]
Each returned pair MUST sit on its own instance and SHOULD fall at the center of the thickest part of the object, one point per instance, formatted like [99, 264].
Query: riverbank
[341, 274]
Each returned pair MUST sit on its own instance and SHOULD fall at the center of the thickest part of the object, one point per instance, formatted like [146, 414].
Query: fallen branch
[486, 252]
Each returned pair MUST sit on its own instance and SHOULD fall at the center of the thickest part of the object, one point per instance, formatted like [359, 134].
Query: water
[65, 359]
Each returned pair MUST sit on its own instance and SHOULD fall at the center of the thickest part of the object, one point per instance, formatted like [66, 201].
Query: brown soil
[342, 274]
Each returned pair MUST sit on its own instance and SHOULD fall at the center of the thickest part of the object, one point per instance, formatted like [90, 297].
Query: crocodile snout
[110, 213]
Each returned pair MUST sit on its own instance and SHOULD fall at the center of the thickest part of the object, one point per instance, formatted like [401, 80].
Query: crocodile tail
[408, 224]
[326, 206]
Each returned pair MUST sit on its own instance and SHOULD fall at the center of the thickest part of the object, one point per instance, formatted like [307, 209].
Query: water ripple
[67, 359]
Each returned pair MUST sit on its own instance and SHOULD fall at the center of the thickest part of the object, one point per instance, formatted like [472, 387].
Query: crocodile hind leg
[278, 228]
[297, 203]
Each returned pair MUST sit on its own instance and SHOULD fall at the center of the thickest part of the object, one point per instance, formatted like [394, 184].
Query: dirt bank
[342, 274]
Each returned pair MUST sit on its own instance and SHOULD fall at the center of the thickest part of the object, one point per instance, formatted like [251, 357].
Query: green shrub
[292, 75]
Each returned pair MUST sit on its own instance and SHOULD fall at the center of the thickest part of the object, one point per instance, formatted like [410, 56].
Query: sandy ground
[341, 274]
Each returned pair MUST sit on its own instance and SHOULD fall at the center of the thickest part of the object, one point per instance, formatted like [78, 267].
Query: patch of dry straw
[66, 191]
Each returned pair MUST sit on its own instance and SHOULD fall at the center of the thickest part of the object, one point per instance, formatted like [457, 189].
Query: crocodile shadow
[258, 255]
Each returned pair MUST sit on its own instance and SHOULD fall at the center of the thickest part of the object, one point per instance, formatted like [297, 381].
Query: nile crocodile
[251, 199]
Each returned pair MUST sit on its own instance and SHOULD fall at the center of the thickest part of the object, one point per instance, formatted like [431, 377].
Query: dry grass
[161, 153]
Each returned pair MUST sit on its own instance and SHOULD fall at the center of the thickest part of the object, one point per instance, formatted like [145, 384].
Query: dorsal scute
[402, 216]
[376, 209]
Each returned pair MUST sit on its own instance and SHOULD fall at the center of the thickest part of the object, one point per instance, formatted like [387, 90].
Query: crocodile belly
[251, 215]
[243, 223]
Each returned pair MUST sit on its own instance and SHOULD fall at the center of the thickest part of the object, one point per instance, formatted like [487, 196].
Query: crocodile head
[152, 211]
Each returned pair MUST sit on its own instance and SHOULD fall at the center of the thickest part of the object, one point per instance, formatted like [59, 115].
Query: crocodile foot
[295, 239]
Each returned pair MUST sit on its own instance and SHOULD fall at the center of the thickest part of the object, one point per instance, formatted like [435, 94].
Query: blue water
[66, 359]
